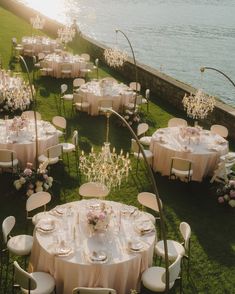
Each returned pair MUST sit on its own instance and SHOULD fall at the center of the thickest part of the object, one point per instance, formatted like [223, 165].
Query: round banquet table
[200, 146]
[75, 63]
[94, 91]
[39, 44]
[122, 267]
[23, 141]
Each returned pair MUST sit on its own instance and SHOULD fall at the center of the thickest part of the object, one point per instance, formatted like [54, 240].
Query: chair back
[63, 88]
[54, 151]
[174, 271]
[41, 56]
[75, 138]
[148, 200]
[142, 128]
[77, 98]
[176, 122]
[24, 279]
[134, 146]
[29, 114]
[85, 290]
[181, 164]
[59, 121]
[135, 86]
[185, 231]
[85, 56]
[7, 155]
[7, 225]
[37, 200]
[78, 82]
[147, 94]
[220, 130]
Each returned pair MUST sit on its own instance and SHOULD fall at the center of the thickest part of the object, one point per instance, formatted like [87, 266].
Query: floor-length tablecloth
[122, 269]
[200, 146]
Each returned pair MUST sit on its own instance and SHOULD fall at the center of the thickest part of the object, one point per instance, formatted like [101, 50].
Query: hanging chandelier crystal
[66, 34]
[37, 22]
[198, 106]
[105, 167]
[114, 57]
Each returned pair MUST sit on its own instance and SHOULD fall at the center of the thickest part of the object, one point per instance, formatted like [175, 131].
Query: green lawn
[213, 235]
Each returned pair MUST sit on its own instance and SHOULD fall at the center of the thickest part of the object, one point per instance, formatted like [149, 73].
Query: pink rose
[221, 199]
[28, 172]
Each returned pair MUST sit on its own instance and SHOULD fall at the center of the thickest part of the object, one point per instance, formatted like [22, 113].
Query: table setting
[56, 61]
[202, 147]
[95, 91]
[94, 240]
[18, 134]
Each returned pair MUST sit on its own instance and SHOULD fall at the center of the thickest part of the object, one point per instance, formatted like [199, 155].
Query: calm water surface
[175, 36]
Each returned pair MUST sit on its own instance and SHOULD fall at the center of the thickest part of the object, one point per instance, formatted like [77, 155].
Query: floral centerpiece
[34, 181]
[227, 193]
[98, 218]
[18, 123]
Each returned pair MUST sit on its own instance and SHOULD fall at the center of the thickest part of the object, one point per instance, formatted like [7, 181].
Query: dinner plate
[46, 226]
[144, 227]
[63, 250]
[98, 256]
[135, 246]
[127, 209]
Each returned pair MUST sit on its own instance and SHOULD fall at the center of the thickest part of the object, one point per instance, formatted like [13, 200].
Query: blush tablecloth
[123, 268]
[204, 150]
[39, 44]
[23, 143]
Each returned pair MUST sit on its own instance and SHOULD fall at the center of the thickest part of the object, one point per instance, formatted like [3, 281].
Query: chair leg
[67, 155]
[76, 161]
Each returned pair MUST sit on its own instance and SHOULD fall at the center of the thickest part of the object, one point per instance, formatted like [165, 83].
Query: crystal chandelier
[66, 34]
[37, 22]
[198, 106]
[114, 57]
[106, 167]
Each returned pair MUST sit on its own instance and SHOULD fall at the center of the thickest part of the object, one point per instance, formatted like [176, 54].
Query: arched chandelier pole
[34, 108]
[155, 190]
[133, 55]
[202, 69]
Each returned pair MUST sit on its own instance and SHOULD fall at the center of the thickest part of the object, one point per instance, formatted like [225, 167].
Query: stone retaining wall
[161, 85]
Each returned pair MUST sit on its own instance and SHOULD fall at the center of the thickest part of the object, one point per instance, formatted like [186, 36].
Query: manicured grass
[213, 236]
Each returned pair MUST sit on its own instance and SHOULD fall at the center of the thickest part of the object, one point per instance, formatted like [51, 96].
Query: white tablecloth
[94, 91]
[121, 271]
[39, 44]
[74, 62]
[23, 143]
[203, 150]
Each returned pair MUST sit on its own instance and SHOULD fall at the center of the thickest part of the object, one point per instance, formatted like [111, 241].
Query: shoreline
[164, 87]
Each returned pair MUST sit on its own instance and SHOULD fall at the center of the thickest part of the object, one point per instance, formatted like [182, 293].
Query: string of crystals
[37, 22]
[114, 57]
[106, 167]
[198, 106]
[66, 34]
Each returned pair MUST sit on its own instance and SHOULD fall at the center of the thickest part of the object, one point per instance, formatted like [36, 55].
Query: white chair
[61, 123]
[66, 70]
[45, 69]
[135, 86]
[154, 278]
[71, 147]
[92, 189]
[85, 290]
[174, 247]
[105, 104]
[19, 245]
[137, 153]
[40, 57]
[181, 168]
[52, 154]
[29, 114]
[142, 128]
[147, 98]
[65, 96]
[176, 122]
[77, 84]
[85, 56]
[85, 71]
[33, 283]
[37, 200]
[80, 103]
[220, 130]
[147, 199]
[8, 159]
[16, 48]
[28, 50]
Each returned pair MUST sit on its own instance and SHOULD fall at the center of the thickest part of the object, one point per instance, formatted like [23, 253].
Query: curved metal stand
[155, 190]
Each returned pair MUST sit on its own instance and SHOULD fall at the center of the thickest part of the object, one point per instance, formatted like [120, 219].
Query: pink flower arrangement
[227, 193]
[99, 218]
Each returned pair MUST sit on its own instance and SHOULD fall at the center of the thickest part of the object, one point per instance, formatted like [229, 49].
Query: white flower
[39, 189]
[49, 180]
[46, 186]
[22, 180]
[29, 192]
[39, 184]
[232, 203]
[226, 197]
